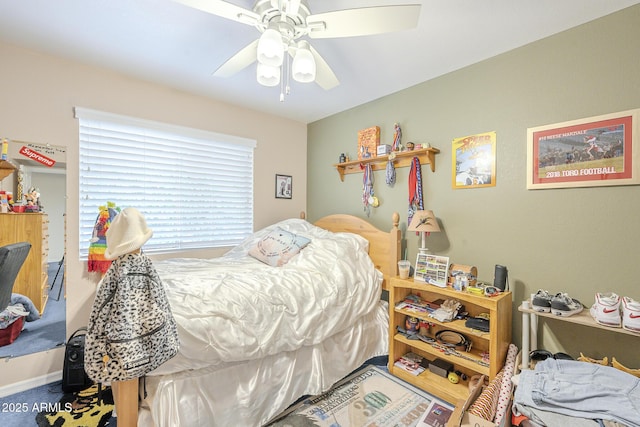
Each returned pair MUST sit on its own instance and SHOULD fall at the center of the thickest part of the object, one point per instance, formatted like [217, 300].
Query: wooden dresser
[33, 279]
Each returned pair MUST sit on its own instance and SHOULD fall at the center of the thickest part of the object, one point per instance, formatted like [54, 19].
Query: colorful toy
[96, 260]
[32, 199]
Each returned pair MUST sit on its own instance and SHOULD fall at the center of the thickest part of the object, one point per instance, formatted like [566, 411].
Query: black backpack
[74, 377]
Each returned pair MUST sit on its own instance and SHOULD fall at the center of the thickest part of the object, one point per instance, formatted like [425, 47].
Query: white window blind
[194, 187]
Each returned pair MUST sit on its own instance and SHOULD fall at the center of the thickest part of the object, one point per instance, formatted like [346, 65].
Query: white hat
[128, 232]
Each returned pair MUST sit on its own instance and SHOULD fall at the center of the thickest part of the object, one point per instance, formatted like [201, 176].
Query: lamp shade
[304, 66]
[424, 221]
[270, 48]
[267, 75]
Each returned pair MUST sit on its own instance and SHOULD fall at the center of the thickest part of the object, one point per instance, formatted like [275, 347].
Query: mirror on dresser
[39, 167]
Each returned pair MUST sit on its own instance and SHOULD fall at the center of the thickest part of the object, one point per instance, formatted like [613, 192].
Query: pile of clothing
[572, 393]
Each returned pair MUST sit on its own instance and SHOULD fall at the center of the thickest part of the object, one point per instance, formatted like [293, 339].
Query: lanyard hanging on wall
[415, 188]
[390, 171]
[368, 197]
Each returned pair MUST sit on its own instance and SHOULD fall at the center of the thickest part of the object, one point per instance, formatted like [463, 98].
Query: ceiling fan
[284, 26]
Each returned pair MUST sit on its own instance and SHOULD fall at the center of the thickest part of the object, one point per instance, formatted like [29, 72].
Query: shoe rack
[530, 327]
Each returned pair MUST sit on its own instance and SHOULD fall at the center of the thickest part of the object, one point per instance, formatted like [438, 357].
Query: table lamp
[424, 222]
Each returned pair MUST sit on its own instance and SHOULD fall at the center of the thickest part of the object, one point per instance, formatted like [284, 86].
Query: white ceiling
[166, 42]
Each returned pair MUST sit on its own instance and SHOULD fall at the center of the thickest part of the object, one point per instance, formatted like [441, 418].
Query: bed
[283, 331]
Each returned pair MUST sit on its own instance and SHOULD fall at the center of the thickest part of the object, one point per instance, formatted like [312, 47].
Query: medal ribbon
[415, 188]
[390, 173]
[367, 188]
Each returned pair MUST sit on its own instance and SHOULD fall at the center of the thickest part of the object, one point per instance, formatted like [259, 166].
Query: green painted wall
[580, 240]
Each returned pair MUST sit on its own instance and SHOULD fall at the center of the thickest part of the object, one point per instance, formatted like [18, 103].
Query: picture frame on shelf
[432, 269]
[284, 186]
[589, 152]
[368, 141]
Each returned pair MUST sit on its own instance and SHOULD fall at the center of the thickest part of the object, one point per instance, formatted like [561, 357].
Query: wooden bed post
[395, 244]
[125, 397]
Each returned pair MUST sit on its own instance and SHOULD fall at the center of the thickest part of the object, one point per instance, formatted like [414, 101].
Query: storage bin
[11, 332]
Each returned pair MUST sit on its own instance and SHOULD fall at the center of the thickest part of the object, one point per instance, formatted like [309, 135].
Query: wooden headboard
[384, 246]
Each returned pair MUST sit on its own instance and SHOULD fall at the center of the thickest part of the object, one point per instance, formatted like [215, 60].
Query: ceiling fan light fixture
[303, 68]
[271, 48]
[268, 75]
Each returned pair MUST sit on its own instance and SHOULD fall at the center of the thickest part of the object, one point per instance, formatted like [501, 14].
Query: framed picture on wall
[595, 151]
[473, 161]
[283, 186]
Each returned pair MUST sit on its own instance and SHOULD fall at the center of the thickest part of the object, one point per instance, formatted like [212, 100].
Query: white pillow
[278, 247]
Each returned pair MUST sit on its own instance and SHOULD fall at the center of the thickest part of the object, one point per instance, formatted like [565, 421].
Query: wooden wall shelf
[6, 169]
[403, 159]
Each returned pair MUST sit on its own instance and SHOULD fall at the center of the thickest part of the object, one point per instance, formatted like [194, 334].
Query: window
[195, 188]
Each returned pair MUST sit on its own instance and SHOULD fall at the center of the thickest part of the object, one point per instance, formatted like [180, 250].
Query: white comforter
[236, 308]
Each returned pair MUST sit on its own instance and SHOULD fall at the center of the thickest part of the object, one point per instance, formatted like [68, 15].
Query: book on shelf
[411, 362]
[418, 305]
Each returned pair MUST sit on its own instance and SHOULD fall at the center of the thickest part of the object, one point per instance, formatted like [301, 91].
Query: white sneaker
[606, 309]
[630, 314]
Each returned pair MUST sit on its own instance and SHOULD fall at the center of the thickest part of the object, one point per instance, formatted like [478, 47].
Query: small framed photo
[432, 269]
[283, 186]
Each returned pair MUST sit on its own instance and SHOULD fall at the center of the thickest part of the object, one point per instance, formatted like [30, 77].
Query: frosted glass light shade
[268, 75]
[270, 48]
[303, 68]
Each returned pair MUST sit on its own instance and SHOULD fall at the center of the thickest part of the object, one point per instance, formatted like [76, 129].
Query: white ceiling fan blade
[325, 77]
[363, 21]
[239, 61]
[223, 9]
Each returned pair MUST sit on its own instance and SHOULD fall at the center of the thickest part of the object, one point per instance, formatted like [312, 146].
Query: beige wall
[37, 96]
[579, 241]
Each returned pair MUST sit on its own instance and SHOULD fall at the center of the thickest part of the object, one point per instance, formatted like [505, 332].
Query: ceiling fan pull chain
[288, 74]
[282, 83]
